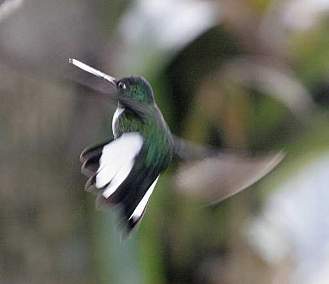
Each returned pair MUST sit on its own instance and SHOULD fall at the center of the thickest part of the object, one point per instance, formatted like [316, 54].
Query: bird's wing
[188, 151]
[213, 175]
[216, 178]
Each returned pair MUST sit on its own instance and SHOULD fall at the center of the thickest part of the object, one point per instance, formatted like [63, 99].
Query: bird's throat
[120, 109]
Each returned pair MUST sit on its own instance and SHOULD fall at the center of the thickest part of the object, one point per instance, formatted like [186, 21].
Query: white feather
[120, 176]
[142, 204]
[116, 115]
[117, 160]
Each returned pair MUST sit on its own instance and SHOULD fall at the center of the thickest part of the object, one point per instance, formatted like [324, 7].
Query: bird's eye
[122, 85]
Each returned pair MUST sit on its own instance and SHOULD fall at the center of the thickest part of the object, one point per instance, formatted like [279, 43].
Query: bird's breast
[115, 118]
[157, 144]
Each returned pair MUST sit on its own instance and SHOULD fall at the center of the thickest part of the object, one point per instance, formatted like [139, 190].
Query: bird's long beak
[93, 71]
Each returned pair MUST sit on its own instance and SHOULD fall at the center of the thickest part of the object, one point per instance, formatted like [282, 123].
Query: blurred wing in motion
[102, 84]
[188, 151]
[216, 177]
[92, 79]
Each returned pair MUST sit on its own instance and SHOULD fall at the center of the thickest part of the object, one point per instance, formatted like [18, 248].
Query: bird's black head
[135, 88]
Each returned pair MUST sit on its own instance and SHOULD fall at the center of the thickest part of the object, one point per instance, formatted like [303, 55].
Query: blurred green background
[245, 75]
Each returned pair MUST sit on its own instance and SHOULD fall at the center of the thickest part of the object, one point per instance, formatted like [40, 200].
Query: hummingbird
[124, 170]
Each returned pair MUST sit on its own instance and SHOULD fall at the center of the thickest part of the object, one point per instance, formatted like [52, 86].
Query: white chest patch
[117, 160]
[116, 115]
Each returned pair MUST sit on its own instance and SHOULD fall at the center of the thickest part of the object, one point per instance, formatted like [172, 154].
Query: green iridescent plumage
[123, 171]
[150, 123]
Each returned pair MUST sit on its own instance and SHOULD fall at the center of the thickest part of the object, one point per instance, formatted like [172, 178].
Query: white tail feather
[117, 160]
[138, 212]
